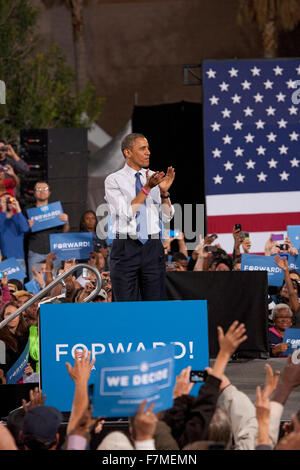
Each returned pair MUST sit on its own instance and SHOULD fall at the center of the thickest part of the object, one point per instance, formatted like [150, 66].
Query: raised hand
[183, 386]
[282, 262]
[81, 370]
[167, 181]
[144, 423]
[234, 336]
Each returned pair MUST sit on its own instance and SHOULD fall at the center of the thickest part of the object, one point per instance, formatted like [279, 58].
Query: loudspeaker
[60, 157]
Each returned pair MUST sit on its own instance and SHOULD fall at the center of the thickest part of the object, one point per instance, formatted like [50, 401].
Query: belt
[150, 237]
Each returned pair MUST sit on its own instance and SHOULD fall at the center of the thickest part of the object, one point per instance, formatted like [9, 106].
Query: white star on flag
[228, 165]
[258, 98]
[262, 176]
[239, 152]
[280, 97]
[250, 164]
[246, 85]
[238, 125]
[268, 85]
[271, 111]
[272, 163]
[294, 136]
[211, 73]
[236, 99]
[218, 179]
[293, 110]
[214, 100]
[226, 113]
[227, 139]
[224, 86]
[249, 138]
[255, 71]
[260, 124]
[217, 153]
[291, 83]
[215, 126]
[298, 70]
[283, 149]
[282, 123]
[248, 111]
[278, 70]
[261, 150]
[295, 162]
[233, 72]
[284, 176]
[240, 178]
[271, 137]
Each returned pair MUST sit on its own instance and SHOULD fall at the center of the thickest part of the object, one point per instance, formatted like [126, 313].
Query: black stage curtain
[230, 296]
[174, 132]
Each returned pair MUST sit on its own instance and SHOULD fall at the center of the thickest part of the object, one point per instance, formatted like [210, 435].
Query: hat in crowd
[115, 440]
[21, 293]
[41, 423]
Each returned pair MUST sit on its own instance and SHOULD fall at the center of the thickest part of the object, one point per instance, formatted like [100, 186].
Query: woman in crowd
[14, 335]
[88, 223]
[282, 317]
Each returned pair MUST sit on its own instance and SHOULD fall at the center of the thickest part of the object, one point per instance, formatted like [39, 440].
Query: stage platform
[246, 375]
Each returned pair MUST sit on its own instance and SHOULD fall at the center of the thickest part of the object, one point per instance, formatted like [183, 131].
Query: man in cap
[40, 428]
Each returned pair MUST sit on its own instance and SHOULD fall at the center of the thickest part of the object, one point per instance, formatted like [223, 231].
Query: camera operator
[11, 165]
[13, 226]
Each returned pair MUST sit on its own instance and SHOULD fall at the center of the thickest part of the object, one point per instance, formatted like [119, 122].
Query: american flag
[252, 147]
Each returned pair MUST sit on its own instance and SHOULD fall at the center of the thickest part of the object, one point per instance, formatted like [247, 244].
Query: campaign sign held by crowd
[112, 329]
[263, 263]
[293, 232]
[16, 372]
[292, 338]
[46, 216]
[122, 382]
[72, 245]
[12, 269]
[32, 286]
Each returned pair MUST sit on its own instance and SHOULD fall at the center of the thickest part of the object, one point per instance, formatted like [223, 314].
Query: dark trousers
[137, 271]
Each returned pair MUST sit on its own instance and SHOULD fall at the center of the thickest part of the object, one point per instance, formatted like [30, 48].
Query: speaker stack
[60, 157]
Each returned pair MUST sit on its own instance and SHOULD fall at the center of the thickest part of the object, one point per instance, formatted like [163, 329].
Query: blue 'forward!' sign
[113, 329]
[46, 216]
[12, 269]
[72, 245]
[293, 232]
[292, 338]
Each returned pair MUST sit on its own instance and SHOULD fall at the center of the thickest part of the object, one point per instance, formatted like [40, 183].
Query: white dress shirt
[120, 190]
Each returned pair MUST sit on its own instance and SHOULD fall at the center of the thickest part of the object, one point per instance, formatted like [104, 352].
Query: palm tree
[76, 7]
[271, 16]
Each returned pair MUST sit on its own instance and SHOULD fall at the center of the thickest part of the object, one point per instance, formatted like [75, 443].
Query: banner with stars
[252, 156]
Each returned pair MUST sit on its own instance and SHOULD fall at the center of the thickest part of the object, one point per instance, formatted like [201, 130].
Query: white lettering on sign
[99, 348]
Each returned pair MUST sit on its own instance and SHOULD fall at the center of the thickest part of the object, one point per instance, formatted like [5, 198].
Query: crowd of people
[220, 417]
[220, 413]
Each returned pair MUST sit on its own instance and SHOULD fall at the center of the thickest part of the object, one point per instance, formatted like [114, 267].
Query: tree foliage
[40, 87]
[285, 13]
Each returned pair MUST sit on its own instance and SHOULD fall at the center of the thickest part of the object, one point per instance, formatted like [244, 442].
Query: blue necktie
[141, 215]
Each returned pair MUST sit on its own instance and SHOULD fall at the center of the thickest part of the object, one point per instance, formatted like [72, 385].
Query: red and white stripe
[260, 214]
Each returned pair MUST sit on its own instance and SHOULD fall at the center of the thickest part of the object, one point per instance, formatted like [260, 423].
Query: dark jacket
[190, 416]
